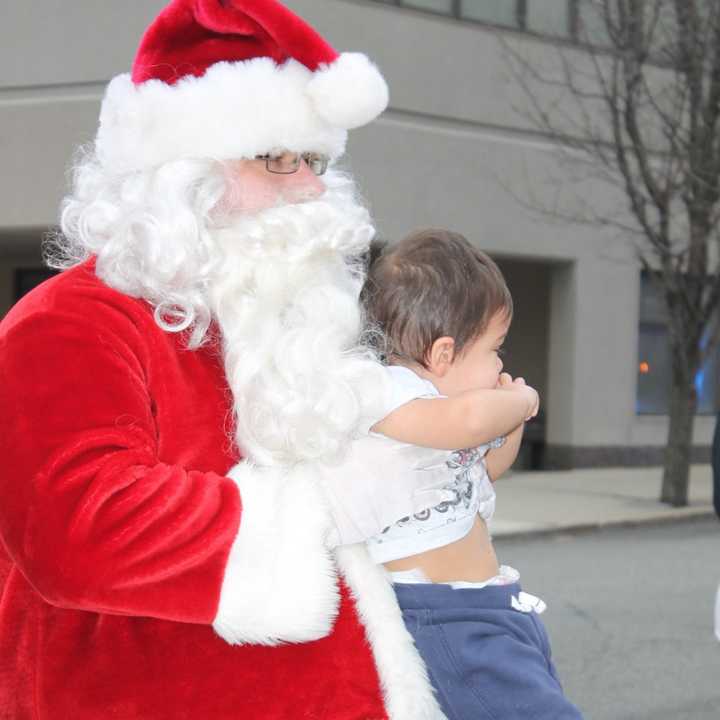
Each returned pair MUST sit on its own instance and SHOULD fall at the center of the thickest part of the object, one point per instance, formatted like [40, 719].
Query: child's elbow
[477, 425]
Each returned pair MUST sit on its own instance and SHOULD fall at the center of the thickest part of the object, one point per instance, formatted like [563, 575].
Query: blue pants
[486, 660]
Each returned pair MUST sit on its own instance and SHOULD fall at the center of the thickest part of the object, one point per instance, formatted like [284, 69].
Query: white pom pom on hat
[349, 92]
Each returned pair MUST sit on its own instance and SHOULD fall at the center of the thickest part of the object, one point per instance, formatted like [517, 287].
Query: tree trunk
[683, 404]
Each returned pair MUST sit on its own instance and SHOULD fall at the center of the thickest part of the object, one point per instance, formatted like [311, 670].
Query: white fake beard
[286, 302]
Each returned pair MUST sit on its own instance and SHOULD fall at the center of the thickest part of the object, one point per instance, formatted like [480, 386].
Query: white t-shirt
[469, 493]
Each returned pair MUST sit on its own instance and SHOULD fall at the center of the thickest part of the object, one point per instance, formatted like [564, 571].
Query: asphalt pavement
[630, 612]
[529, 503]
[630, 616]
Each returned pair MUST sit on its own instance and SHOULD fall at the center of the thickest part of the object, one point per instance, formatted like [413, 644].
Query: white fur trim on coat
[406, 688]
[280, 582]
[238, 110]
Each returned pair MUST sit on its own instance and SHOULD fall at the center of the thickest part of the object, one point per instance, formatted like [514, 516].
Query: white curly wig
[282, 285]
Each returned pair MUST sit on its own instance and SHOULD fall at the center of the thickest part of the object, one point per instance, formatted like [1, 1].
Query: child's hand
[506, 382]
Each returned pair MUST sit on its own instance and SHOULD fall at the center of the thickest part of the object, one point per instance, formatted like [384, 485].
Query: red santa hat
[234, 79]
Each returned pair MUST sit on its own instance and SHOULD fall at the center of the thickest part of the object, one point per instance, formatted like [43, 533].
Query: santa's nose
[302, 185]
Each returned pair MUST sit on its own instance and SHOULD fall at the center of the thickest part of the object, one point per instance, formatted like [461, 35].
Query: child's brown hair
[432, 284]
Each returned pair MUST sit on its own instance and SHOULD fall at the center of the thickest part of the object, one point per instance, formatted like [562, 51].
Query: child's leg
[487, 660]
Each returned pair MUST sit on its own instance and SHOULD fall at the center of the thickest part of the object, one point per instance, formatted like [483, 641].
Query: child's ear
[441, 356]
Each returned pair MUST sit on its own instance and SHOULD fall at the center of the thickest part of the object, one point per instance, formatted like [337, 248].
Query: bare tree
[638, 105]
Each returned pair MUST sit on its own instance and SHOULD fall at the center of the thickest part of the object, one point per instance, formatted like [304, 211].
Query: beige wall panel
[605, 351]
[67, 42]
[425, 173]
[37, 141]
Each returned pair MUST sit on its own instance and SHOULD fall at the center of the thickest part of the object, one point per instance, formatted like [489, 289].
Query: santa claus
[180, 405]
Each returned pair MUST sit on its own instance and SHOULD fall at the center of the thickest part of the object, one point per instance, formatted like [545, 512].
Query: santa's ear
[441, 356]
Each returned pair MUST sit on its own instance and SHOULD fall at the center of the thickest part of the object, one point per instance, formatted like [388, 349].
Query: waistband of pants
[435, 596]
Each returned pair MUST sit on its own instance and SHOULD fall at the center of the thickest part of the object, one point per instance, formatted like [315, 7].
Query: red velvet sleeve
[89, 514]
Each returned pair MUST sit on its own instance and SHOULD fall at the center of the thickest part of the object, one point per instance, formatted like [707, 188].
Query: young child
[443, 310]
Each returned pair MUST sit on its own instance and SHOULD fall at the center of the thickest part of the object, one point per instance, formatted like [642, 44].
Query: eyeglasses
[289, 162]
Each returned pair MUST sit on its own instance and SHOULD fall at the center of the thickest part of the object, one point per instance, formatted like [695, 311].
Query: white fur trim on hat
[350, 92]
[235, 110]
[238, 110]
[280, 582]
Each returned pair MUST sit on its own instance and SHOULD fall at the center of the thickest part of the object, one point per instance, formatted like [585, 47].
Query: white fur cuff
[280, 581]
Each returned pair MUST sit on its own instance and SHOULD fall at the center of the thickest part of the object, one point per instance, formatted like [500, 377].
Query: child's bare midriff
[471, 559]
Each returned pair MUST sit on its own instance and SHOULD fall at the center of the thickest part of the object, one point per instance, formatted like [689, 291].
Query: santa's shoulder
[72, 294]
[78, 297]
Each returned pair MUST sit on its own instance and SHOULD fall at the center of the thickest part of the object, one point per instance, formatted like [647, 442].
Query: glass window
[654, 369]
[663, 22]
[591, 23]
[440, 6]
[706, 384]
[549, 17]
[655, 361]
[498, 12]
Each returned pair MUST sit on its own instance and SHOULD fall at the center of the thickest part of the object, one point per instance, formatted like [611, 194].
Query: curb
[599, 525]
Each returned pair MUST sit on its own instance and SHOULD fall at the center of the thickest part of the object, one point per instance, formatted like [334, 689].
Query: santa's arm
[95, 522]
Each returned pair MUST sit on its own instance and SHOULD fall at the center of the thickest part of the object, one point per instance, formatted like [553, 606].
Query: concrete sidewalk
[568, 500]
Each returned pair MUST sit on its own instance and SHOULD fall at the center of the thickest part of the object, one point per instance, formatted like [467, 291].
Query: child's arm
[498, 460]
[467, 420]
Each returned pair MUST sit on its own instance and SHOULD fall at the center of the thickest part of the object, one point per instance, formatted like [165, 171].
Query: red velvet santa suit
[141, 579]
[117, 523]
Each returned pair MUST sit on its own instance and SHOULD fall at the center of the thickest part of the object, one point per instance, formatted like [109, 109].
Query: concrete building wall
[453, 150]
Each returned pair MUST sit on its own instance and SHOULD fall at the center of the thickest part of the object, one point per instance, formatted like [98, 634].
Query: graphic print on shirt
[470, 492]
